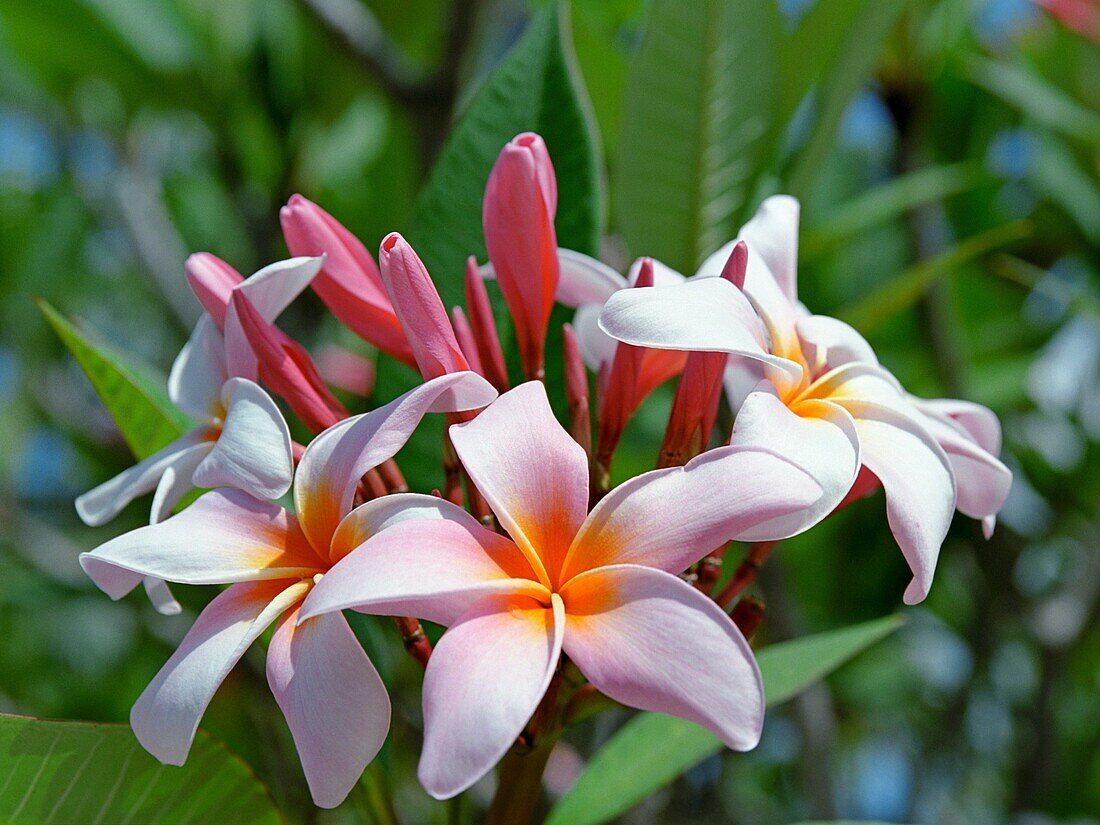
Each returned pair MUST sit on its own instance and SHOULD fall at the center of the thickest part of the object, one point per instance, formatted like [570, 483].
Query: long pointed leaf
[698, 106]
[131, 392]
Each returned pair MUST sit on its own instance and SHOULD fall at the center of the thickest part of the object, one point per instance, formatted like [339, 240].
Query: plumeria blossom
[332, 697]
[600, 587]
[810, 387]
[241, 440]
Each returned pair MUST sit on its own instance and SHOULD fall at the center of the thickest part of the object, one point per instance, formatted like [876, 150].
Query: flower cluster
[526, 557]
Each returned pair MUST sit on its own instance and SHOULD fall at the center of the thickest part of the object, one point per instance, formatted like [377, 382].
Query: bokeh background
[951, 210]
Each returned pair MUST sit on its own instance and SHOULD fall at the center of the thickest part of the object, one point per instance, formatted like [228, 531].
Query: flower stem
[746, 571]
[520, 784]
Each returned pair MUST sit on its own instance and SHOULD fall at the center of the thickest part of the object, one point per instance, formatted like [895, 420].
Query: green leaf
[535, 87]
[886, 202]
[131, 392]
[856, 58]
[1036, 98]
[697, 108]
[905, 289]
[88, 772]
[651, 749]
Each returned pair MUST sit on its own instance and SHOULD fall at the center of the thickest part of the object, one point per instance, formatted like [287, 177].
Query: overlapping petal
[435, 569]
[530, 471]
[669, 519]
[334, 462]
[651, 641]
[166, 715]
[101, 504]
[475, 705]
[708, 314]
[821, 439]
[253, 452]
[334, 701]
[225, 536]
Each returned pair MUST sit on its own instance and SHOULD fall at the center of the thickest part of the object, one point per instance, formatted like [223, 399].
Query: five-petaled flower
[810, 387]
[600, 587]
[332, 697]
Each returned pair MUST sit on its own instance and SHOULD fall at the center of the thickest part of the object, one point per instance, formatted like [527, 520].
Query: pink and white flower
[600, 587]
[329, 692]
[810, 388]
[241, 440]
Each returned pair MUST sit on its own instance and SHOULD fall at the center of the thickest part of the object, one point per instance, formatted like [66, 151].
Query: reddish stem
[416, 642]
[746, 571]
[747, 615]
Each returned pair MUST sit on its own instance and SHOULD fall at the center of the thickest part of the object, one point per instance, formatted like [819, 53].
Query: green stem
[520, 784]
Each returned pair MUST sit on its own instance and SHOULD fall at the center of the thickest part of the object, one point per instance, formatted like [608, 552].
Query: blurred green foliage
[947, 153]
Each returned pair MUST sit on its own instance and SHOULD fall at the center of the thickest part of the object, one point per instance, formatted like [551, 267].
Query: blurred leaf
[535, 88]
[886, 202]
[151, 29]
[1036, 98]
[87, 772]
[132, 393]
[698, 104]
[904, 289]
[652, 749]
[1057, 174]
[814, 44]
[856, 59]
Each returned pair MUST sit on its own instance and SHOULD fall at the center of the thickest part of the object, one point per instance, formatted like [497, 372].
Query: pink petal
[255, 345]
[920, 488]
[671, 518]
[101, 504]
[198, 373]
[253, 451]
[981, 422]
[518, 218]
[651, 641]
[484, 680]
[708, 314]
[585, 280]
[821, 439]
[531, 472]
[349, 283]
[212, 280]
[435, 568]
[334, 462]
[225, 536]
[333, 700]
[166, 715]
[418, 306]
[981, 480]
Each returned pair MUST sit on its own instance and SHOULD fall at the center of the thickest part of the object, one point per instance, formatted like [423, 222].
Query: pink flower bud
[518, 216]
[420, 310]
[349, 284]
[212, 280]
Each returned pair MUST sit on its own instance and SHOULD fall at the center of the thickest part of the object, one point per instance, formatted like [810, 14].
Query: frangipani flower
[241, 441]
[333, 699]
[810, 387]
[600, 587]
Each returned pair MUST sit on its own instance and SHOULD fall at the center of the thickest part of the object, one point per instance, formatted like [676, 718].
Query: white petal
[273, 288]
[177, 481]
[253, 452]
[103, 503]
[196, 379]
[585, 280]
